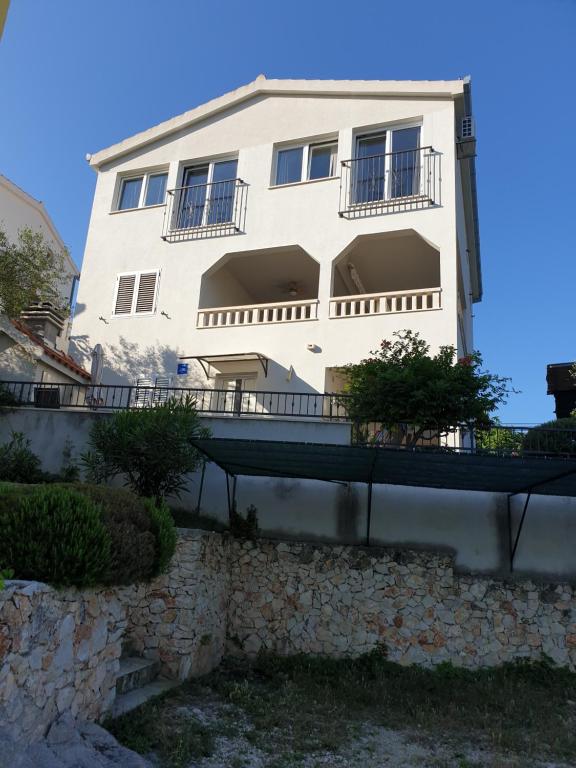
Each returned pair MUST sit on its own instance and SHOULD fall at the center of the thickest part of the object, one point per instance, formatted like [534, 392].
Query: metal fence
[208, 401]
[205, 210]
[371, 185]
[496, 440]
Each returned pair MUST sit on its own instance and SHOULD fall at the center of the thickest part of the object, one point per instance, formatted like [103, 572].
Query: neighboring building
[562, 384]
[35, 347]
[281, 231]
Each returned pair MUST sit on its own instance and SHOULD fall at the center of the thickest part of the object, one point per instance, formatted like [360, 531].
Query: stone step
[135, 672]
[135, 698]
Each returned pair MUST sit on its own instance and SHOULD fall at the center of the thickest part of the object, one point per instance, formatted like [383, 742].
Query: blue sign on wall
[182, 369]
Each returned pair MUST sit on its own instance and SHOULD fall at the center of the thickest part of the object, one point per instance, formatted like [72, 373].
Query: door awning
[219, 362]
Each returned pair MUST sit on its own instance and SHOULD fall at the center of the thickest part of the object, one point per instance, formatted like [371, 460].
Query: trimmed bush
[54, 535]
[552, 437]
[140, 537]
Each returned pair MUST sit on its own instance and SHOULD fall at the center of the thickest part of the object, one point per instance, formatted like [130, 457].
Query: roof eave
[437, 89]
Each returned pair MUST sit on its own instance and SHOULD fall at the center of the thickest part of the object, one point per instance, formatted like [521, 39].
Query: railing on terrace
[208, 401]
[497, 440]
[205, 210]
[385, 303]
[258, 314]
[409, 179]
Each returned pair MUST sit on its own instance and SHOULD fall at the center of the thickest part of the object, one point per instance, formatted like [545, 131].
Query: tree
[30, 270]
[402, 384]
[152, 448]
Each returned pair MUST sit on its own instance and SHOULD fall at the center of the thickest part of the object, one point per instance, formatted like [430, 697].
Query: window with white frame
[207, 194]
[305, 162]
[136, 293]
[142, 190]
[387, 165]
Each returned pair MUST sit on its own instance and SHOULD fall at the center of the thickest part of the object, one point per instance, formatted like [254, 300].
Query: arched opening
[386, 272]
[263, 286]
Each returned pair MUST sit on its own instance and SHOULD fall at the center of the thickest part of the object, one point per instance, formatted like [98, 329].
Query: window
[380, 173]
[305, 163]
[207, 195]
[142, 191]
[136, 293]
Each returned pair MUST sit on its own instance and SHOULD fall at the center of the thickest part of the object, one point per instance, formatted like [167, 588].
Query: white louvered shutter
[125, 294]
[146, 292]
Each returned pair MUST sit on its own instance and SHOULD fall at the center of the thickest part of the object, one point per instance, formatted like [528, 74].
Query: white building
[281, 231]
[34, 348]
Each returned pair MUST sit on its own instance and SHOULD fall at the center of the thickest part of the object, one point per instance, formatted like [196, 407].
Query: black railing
[205, 210]
[208, 401]
[496, 440]
[409, 179]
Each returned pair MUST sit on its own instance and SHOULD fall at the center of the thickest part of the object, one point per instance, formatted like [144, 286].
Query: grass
[298, 706]
[163, 727]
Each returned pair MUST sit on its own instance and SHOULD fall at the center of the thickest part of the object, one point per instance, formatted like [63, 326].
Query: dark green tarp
[421, 468]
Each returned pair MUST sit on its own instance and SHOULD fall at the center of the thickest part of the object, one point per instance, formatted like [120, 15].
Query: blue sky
[77, 76]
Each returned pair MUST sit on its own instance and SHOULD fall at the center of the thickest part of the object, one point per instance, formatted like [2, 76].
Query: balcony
[386, 303]
[388, 183]
[272, 285]
[258, 314]
[386, 273]
[203, 211]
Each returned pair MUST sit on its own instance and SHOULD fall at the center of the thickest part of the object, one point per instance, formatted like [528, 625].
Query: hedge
[83, 535]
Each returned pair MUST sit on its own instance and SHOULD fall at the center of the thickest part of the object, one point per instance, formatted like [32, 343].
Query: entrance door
[234, 395]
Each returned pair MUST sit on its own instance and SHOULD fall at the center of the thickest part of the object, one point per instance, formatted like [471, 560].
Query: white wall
[303, 214]
[18, 211]
[472, 525]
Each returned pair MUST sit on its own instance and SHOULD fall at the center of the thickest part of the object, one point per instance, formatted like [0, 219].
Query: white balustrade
[419, 300]
[258, 314]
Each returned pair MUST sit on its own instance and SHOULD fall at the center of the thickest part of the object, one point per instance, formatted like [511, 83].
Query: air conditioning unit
[467, 128]
[466, 143]
[47, 397]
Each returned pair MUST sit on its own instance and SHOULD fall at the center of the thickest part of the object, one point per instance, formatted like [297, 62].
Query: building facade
[265, 239]
[35, 346]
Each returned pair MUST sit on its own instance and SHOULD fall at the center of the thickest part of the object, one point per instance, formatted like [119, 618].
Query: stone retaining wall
[59, 652]
[180, 619]
[302, 598]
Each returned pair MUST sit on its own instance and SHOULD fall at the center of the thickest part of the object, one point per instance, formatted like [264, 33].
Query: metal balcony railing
[205, 210]
[405, 180]
[26, 394]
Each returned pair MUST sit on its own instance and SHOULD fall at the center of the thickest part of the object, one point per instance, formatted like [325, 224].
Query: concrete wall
[471, 525]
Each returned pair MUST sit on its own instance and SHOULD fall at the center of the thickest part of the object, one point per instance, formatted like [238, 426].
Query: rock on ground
[70, 744]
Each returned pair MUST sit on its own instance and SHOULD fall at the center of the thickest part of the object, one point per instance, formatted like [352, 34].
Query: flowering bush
[401, 383]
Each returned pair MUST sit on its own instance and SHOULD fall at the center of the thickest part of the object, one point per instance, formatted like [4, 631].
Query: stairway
[138, 681]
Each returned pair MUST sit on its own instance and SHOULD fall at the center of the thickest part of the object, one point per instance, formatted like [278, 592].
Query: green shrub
[18, 464]
[151, 448]
[552, 437]
[132, 537]
[165, 531]
[55, 535]
[244, 527]
[44, 533]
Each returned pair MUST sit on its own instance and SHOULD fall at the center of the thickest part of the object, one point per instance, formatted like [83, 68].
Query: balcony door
[234, 395]
[386, 166]
[207, 196]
